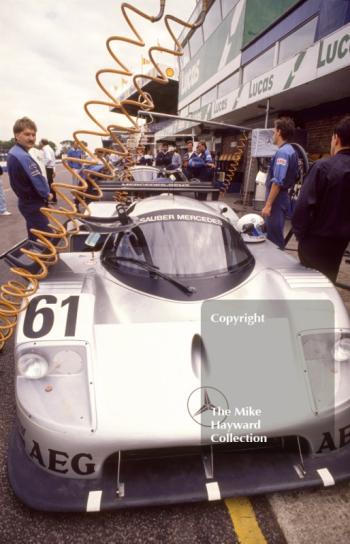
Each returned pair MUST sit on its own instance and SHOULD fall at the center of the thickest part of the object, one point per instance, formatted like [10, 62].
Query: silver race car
[167, 359]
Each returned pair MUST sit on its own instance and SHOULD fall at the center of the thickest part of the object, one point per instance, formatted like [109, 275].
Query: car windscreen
[180, 244]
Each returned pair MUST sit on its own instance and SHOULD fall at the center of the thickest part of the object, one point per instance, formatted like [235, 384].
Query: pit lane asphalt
[309, 517]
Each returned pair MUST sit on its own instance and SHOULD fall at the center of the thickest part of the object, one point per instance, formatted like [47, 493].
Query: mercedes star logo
[207, 405]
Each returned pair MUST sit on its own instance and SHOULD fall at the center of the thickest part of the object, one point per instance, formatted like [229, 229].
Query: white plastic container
[144, 173]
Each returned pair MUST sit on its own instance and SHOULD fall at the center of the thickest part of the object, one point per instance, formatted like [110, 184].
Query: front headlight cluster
[327, 359]
[34, 365]
[53, 384]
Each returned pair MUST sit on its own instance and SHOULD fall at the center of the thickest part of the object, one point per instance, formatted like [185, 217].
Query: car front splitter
[172, 480]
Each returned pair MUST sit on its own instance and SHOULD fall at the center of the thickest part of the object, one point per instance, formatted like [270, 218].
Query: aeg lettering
[328, 442]
[58, 460]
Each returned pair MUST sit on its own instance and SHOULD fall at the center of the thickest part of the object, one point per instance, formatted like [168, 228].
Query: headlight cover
[342, 348]
[54, 384]
[327, 358]
[32, 366]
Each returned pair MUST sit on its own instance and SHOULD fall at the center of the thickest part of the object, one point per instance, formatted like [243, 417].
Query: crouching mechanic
[26, 179]
[282, 175]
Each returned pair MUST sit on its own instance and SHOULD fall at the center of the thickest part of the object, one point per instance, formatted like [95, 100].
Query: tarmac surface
[308, 517]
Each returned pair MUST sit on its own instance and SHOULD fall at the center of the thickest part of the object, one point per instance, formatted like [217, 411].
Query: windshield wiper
[243, 264]
[189, 290]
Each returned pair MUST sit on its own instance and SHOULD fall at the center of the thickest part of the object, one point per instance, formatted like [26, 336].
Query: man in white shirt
[3, 208]
[190, 151]
[50, 163]
[38, 155]
[176, 161]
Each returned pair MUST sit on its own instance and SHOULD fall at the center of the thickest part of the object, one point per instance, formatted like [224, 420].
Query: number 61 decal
[47, 314]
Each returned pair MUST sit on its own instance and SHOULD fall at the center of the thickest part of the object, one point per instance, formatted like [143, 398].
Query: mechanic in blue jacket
[75, 152]
[26, 179]
[282, 175]
[201, 163]
[201, 166]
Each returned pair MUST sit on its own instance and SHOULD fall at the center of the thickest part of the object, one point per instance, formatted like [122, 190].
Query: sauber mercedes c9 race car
[166, 359]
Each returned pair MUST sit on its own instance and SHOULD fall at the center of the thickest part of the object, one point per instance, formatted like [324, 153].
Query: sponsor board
[324, 57]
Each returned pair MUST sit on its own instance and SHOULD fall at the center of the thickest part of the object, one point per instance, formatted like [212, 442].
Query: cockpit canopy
[201, 250]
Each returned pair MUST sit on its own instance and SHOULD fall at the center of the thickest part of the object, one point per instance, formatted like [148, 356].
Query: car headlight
[32, 366]
[327, 359]
[342, 348]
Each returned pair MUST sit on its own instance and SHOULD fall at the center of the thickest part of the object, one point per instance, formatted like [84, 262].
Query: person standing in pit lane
[50, 163]
[282, 175]
[3, 207]
[176, 161]
[75, 152]
[26, 180]
[163, 158]
[321, 218]
[187, 155]
[201, 166]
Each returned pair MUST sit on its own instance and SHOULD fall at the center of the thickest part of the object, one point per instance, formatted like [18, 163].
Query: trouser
[3, 207]
[323, 254]
[203, 174]
[75, 181]
[33, 216]
[50, 178]
[275, 223]
[187, 172]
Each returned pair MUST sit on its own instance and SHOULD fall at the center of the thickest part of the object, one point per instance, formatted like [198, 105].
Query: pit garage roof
[164, 97]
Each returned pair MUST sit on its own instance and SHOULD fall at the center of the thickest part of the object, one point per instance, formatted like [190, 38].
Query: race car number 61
[47, 314]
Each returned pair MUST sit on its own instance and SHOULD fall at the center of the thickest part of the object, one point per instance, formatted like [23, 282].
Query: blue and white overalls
[30, 186]
[284, 172]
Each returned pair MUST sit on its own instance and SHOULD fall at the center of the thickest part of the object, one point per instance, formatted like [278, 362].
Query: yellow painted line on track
[244, 521]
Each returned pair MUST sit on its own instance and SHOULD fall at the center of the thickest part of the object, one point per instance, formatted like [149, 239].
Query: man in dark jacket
[321, 219]
[164, 157]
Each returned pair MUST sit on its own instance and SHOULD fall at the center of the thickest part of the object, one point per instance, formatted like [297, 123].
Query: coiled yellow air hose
[14, 295]
[234, 163]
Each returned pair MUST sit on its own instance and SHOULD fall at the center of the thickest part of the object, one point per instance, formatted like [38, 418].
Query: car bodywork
[108, 423]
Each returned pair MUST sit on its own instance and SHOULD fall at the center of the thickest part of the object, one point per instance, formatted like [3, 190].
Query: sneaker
[6, 213]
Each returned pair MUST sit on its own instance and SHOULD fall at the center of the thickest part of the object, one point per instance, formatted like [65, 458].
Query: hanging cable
[14, 295]
[235, 162]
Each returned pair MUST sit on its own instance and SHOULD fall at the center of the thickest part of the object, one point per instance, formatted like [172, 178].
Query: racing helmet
[252, 228]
